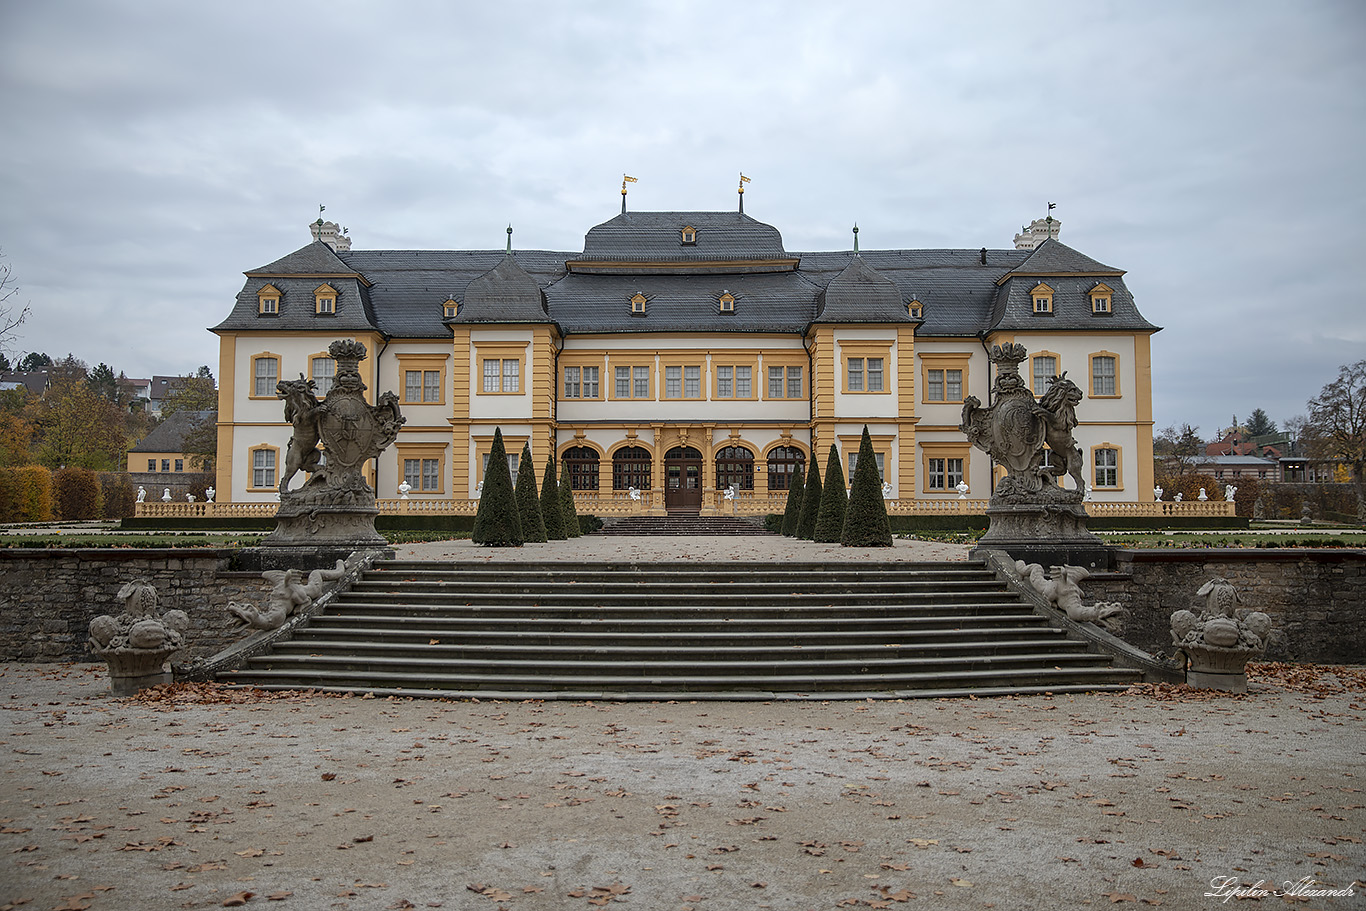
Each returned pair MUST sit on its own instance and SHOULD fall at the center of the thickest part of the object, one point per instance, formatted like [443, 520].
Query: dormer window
[325, 300]
[916, 309]
[727, 302]
[450, 308]
[1101, 296]
[638, 304]
[1042, 295]
[268, 301]
[689, 235]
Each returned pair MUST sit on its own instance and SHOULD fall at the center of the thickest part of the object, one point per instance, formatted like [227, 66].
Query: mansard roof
[634, 241]
[963, 292]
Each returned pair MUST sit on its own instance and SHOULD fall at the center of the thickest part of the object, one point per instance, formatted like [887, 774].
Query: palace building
[684, 353]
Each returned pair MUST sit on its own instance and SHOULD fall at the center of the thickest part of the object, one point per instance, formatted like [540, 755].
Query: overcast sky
[154, 151]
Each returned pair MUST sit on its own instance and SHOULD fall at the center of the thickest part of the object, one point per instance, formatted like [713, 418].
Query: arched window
[631, 468]
[783, 463]
[734, 467]
[583, 467]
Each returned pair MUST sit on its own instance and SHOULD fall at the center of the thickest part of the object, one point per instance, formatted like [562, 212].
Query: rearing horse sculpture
[301, 410]
[1058, 408]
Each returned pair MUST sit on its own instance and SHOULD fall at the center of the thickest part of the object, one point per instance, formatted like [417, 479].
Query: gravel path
[195, 797]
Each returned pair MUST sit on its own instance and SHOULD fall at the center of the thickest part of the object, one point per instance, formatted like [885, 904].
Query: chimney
[983, 256]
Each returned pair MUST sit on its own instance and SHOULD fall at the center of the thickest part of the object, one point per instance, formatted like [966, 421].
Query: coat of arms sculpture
[1032, 515]
[333, 439]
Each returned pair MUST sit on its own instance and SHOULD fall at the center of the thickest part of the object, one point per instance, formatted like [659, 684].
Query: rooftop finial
[856, 239]
[509, 238]
[743, 180]
[624, 181]
[1051, 207]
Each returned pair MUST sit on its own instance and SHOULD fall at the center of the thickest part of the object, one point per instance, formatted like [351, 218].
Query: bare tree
[1337, 425]
[10, 318]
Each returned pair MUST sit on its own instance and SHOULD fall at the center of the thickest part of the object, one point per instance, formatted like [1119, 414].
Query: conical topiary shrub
[865, 518]
[528, 500]
[551, 511]
[497, 523]
[811, 501]
[830, 519]
[793, 512]
[567, 510]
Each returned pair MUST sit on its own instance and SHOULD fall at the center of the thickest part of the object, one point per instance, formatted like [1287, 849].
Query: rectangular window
[270, 305]
[431, 385]
[725, 382]
[853, 463]
[775, 382]
[412, 389]
[151, 464]
[1102, 376]
[502, 375]
[1107, 468]
[327, 305]
[934, 385]
[673, 382]
[874, 374]
[1045, 368]
[692, 382]
[511, 375]
[492, 374]
[263, 468]
[165, 464]
[324, 372]
[422, 474]
[179, 464]
[953, 383]
[590, 382]
[937, 475]
[267, 374]
[855, 374]
[642, 382]
[623, 382]
[743, 376]
[572, 383]
[794, 382]
[955, 472]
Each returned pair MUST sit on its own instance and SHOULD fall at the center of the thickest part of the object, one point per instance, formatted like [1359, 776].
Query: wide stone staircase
[674, 525]
[680, 631]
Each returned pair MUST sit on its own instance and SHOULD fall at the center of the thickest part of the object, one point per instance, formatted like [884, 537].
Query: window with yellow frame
[501, 368]
[1105, 375]
[943, 378]
[268, 301]
[1106, 467]
[423, 378]
[263, 465]
[325, 300]
[1041, 296]
[265, 374]
[867, 367]
[422, 466]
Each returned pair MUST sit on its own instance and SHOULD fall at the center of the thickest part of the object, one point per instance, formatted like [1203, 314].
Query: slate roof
[169, 435]
[400, 292]
[657, 237]
[504, 294]
[764, 302]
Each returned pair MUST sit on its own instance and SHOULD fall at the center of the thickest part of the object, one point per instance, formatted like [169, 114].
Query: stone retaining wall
[49, 597]
[1316, 598]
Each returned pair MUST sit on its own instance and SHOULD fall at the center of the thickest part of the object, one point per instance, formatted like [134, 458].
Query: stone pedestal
[131, 670]
[1051, 534]
[325, 526]
[1214, 680]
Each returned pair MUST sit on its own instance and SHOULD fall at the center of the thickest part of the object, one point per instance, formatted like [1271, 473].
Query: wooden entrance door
[683, 479]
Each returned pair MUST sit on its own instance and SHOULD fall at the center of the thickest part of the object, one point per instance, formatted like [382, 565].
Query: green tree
[190, 393]
[551, 510]
[865, 520]
[834, 499]
[103, 382]
[1336, 428]
[1259, 425]
[5, 365]
[811, 500]
[16, 431]
[571, 515]
[528, 500]
[793, 512]
[34, 360]
[497, 523]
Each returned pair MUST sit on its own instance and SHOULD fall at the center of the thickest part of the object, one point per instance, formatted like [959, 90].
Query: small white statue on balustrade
[1157, 492]
[1230, 492]
[403, 489]
[189, 498]
[209, 494]
[1177, 498]
[887, 490]
[633, 493]
[142, 494]
[962, 489]
[1203, 496]
[479, 490]
[730, 492]
[166, 497]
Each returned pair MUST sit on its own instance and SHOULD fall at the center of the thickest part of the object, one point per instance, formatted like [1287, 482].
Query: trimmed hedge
[528, 500]
[26, 494]
[118, 494]
[76, 493]
[498, 523]
[834, 501]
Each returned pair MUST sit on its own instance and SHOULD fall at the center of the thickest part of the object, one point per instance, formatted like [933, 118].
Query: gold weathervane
[743, 180]
[624, 181]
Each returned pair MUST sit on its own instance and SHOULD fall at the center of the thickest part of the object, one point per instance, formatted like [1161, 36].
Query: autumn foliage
[25, 494]
[76, 493]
